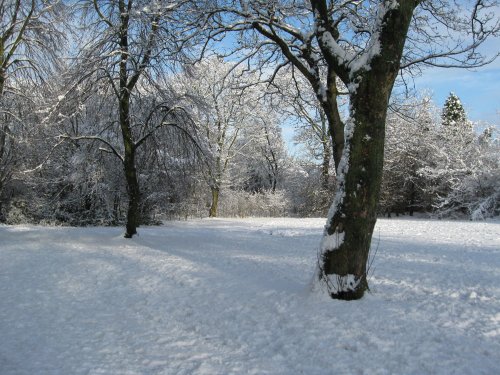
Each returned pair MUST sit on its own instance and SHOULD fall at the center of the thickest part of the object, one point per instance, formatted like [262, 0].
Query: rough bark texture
[133, 215]
[343, 265]
[128, 80]
[126, 129]
[215, 203]
[129, 167]
[335, 124]
[357, 215]
[325, 165]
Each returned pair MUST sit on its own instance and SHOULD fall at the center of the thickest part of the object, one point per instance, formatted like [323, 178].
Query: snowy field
[232, 297]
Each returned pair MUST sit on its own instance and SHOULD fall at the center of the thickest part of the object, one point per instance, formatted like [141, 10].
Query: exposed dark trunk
[3, 136]
[2, 81]
[325, 166]
[335, 123]
[346, 243]
[273, 185]
[116, 210]
[3, 129]
[413, 198]
[215, 203]
[3, 172]
[133, 215]
[126, 86]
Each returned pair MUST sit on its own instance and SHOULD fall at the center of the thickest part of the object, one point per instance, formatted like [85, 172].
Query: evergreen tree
[454, 118]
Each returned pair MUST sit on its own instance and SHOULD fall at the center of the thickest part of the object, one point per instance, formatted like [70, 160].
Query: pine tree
[454, 117]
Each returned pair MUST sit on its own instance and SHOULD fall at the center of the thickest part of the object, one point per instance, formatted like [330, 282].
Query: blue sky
[478, 90]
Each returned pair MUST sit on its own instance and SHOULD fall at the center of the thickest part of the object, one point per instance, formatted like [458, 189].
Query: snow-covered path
[232, 297]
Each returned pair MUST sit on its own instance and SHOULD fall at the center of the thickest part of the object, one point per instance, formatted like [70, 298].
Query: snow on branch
[112, 149]
[346, 56]
[46, 159]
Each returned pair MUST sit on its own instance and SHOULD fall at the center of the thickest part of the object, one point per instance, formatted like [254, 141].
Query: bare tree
[29, 45]
[362, 43]
[302, 105]
[29, 40]
[129, 46]
[224, 104]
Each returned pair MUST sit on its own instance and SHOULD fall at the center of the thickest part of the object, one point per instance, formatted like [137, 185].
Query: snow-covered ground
[232, 297]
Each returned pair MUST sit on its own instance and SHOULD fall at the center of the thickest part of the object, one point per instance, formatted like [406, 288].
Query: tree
[472, 183]
[29, 40]
[130, 45]
[362, 44]
[462, 171]
[224, 102]
[453, 111]
[300, 104]
[454, 118]
[412, 128]
[437, 166]
[265, 156]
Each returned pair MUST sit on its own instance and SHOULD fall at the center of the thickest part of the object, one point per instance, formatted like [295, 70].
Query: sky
[479, 90]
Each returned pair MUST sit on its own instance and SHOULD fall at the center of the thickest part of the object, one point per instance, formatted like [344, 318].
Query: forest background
[206, 135]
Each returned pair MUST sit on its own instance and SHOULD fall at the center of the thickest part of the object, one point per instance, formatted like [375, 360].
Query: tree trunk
[346, 244]
[126, 86]
[215, 202]
[345, 247]
[133, 216]
[325, 166]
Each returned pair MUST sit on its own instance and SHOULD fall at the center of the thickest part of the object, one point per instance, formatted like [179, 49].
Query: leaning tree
[365, 44]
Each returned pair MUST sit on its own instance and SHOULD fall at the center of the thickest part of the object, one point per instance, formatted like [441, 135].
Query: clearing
[232, 296]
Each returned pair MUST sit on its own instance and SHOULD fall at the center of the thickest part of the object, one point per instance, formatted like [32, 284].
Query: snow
[329, 242]
[233, 297]
[343, 56]
[360, 61]
[340, 283]
[342, 170]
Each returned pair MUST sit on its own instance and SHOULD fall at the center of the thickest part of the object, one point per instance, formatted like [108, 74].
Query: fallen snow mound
[233, 297]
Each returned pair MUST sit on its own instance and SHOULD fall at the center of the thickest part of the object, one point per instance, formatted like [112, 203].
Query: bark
[133, 191]
[346, 243]
[335, 124]
[215, 203]
[325, 166]
[125, 126]
[3, 76]
[272, 162]
[4, 129]
[133, 215]
[128, 81]
[357, 196]
[3, 135]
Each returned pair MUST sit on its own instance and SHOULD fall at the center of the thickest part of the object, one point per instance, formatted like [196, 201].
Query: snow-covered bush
[411, 134]
[438, 164]
[472, 182]
[240, 203]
